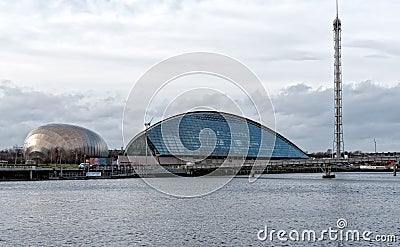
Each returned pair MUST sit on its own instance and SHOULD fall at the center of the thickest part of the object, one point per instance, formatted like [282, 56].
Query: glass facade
[62, 141]
[213, 134]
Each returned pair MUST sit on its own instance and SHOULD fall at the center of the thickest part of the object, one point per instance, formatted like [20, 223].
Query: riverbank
[27, 173]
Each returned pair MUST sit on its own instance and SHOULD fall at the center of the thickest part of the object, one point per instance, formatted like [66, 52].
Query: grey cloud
[194, 100]
[290, 56]
[379, 56]
[123, 38]
[305, 115]
[106, 45]
[383, 47]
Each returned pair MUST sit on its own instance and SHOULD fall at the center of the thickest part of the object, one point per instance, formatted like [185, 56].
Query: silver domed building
[54, 143]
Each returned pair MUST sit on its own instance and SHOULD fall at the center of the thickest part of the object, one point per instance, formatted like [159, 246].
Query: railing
[23, 168]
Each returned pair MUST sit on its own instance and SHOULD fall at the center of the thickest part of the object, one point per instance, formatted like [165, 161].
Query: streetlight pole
[147, 126]
[16, 156]
[375, 151]
[61, 171]
[145, 138]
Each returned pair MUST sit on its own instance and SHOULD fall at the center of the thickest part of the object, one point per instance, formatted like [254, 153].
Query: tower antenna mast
[338, 130]
[337, 9]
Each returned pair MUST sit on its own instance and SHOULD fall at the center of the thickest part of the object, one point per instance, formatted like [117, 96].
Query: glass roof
[205, 134]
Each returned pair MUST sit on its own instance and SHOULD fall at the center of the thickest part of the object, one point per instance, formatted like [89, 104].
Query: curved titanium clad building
[212, 135]
[63, 142]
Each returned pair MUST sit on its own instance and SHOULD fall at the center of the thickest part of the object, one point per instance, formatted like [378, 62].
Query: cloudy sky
[76, 61]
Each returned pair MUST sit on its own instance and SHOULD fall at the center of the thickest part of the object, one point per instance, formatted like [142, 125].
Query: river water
[129, 212]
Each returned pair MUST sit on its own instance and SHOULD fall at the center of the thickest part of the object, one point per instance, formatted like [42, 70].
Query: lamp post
[61, 171]
[147, 126]
[16, 156]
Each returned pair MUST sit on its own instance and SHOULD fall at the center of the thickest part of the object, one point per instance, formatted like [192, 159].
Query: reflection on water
[128, 212]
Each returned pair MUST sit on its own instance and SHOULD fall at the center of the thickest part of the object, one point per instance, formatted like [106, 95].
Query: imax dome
[63, 142]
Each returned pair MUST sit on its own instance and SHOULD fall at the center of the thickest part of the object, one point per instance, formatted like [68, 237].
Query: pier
[10, 173]
[128, 170]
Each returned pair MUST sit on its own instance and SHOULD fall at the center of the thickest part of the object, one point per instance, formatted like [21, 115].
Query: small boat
[367, 167]
[328, 174]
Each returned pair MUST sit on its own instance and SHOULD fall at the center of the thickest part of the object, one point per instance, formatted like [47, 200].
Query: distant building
[55, 143]
[211, 137]
[12, 155]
